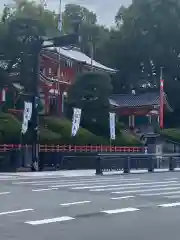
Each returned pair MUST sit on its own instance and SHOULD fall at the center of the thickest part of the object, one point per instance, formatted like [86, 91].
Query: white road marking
[147, 190]
[121, 210]
[44, 189]
[170, 179]
[134, 187]
[4, 193]
[120, 185]
[74, 203]
[16, 211]
[173, 196]
[95, 181]
[125, 197]
[169, 204]
[50, 220]
[75, 181]
[159, 194]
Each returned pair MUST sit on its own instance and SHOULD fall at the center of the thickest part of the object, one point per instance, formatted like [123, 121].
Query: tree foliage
[145, 37]
[91, 92]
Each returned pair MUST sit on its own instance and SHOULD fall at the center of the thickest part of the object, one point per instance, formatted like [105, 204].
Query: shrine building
[138, 110]
[59, 71]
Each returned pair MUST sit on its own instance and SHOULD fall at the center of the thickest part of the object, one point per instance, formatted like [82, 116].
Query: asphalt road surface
[126, 207]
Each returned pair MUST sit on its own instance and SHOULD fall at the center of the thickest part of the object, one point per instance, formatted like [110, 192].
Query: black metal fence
[127, 162]
[102, 162]
[16, 160]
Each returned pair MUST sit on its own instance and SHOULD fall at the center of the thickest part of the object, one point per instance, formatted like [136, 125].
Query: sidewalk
[72, 173]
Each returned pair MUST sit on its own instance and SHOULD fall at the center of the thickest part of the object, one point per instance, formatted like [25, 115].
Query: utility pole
[35, 104]
[37, 47]
[60, 94]
[92, 55]
[161, 110]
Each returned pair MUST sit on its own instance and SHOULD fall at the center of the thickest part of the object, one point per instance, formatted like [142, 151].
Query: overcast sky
[105, 9]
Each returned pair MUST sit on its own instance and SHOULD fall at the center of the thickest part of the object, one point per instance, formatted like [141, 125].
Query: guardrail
[126, 162]
[73, 148]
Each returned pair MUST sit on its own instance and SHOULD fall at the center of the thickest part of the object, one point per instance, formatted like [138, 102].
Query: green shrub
[126, 139]
[49, 137]
[57, 131]
[171, 134]
[9, 129]
[10, 132]
[63, 126]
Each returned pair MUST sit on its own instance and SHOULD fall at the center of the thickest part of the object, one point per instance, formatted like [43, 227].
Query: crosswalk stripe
[169, 179]
[75, 181]
[124, 197]
[146, 190]
[169, 204]
[134, 187]
[16, 211]
[45, 189]
[74, 203]
[4, 193]
[173, 196]
[99, 181]
[50, 220]
[118, 185]
[121, 210]
[159, 194]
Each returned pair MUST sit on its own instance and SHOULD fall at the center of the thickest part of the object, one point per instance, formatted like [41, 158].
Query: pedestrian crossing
[87, 197]
[119, 186]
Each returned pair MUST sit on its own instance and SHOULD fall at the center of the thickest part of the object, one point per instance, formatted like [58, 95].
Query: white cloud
[105, 9]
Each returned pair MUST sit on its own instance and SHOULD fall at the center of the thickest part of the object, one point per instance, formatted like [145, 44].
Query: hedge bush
[49, 137]
[126, 139]
[10, 131]
[63, 126]
[171, 134]
[57, 131]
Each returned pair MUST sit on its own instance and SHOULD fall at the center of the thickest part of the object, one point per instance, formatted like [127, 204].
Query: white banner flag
[112, 125]
[3, 95]
[26, 116]
[76, 121]
[29, 112]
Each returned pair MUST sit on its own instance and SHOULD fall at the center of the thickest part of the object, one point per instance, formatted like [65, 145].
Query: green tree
[19, 26]
[90, 92]
[144, 35]
[74, 12]
[92, 35]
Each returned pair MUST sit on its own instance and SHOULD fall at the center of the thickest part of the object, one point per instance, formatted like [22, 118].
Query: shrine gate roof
[76, 55]
[136, 100]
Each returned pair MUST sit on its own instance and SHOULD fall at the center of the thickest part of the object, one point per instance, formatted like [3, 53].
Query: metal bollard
[127, 165]
[171, 164]
[98, 166]
[151, 165]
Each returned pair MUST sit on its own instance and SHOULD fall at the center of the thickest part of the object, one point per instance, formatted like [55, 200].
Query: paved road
[131, 207]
